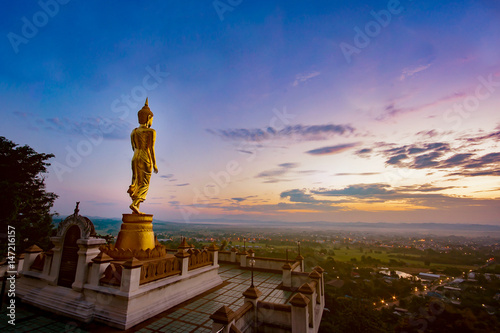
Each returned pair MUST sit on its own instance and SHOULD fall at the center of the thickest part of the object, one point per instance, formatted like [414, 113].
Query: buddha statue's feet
[135, 209]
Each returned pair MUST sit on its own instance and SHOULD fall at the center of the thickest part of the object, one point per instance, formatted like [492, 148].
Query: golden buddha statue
[143, 143]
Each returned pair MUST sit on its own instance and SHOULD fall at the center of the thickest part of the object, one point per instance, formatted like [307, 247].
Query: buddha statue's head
[145, 115]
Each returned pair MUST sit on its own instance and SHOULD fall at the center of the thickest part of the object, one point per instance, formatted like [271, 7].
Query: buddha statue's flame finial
[146, 103]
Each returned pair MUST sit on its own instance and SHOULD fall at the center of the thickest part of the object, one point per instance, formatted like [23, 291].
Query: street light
[244, 244]
[298, 245]
[252, 263]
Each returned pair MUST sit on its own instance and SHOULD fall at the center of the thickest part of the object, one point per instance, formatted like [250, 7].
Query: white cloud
[299, 78]
[410, 71]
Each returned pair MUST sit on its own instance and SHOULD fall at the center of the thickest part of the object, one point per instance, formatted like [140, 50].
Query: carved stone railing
[198, 258]
[39, 262]
[158, 269]
[153, 269]
[123, 254]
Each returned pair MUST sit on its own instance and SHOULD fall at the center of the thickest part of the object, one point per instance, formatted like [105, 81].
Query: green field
[346, 255]
[413, 262]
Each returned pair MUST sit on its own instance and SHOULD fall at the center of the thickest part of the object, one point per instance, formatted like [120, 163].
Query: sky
[338, 111]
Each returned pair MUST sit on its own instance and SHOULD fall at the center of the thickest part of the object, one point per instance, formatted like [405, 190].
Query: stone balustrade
[158, 269]
[198, 258]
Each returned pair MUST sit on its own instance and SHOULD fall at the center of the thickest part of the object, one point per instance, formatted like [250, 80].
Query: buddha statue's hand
[155, 169]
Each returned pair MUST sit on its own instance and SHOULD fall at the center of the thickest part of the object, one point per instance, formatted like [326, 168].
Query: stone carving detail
[157, 269]
[112, 275]
[85, 225]
[198, 258]
[124, 254]
[38, 262]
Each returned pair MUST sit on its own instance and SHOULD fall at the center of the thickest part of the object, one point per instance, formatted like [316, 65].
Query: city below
[398, 277]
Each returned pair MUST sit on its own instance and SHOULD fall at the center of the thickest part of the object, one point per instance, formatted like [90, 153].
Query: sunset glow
[260, 113]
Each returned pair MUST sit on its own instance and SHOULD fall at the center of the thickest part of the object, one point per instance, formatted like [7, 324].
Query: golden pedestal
[136, 232]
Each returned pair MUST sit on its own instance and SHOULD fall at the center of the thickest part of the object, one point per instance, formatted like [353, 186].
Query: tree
[24, 203]
[351, 315]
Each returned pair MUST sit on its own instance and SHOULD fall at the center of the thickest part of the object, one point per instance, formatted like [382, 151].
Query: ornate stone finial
[132, 263]
[252, 292]
[76, 208]
[306, 288]
[224, 315]
[33, 249]
[299, 300]
[102, 257]
[184, 244]
[213, 247]
[319, 269]
[314, 275]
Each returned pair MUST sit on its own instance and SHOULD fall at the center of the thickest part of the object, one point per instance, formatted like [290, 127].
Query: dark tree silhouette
[24, 203]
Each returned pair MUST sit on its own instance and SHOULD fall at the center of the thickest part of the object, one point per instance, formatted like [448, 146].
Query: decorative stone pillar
[243, 259]
[29, 256]
[252, 295]
[183, 256]
[131, 275]
[320, 270]
[315, 276]
[233, 254]
[99, 265]
[20, 263]
[48, 263]
[287, 275]
[300, 314]
[56, 259]
[214, 254]
[306, 290]
[300, 259]
[89, 249]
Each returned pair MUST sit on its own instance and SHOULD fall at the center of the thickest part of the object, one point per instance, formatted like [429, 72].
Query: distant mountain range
[112, 226]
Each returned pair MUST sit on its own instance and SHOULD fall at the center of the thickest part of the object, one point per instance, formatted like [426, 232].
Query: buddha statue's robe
[143, 140]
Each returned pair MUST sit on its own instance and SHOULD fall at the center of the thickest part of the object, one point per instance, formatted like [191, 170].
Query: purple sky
[264, 110]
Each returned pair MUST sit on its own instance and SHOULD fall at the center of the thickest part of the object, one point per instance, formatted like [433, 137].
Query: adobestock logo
[225, 6]
[372, 29]
[30, 28]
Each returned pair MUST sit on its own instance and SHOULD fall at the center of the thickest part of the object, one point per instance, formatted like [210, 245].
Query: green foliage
[368, 260]
[452, 271]
[24, 202]
[365, 273]
[352, 316]
[435, 316]
[466, 256]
